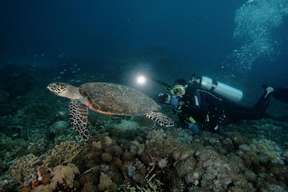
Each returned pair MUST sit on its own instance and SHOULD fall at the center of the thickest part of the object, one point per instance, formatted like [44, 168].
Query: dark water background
[168, 38]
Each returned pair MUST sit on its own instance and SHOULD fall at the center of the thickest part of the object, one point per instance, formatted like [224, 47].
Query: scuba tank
[220, 89]
[215, 87]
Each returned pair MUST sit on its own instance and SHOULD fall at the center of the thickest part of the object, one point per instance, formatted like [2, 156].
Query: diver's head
[179, 87]
[178, 90]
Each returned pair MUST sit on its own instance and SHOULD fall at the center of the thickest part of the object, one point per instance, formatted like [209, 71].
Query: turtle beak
[51, 87]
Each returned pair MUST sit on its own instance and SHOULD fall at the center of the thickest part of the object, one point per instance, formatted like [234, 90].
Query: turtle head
[64, 90]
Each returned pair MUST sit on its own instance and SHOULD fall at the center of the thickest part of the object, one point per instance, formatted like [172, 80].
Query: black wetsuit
[211, 111]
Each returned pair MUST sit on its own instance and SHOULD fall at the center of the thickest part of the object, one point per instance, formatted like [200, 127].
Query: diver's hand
[164, 98]
[214, 121]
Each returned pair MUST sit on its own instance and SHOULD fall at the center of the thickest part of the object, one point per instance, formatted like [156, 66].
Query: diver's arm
[174, 101]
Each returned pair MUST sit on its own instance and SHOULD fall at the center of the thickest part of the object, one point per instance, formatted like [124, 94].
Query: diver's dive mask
[178, 90]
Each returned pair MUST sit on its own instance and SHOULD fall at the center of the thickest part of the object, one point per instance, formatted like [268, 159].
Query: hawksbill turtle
[108, 99]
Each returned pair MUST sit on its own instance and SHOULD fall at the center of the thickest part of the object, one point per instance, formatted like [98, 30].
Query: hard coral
[215, 174]
[106, 183]
[261, 151]
[24, 170]
[159, 146]
[65, 152]
[64, 175]
[63, 179]
[274, 188]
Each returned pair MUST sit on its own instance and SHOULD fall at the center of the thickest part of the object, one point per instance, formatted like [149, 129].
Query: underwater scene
[144, 96]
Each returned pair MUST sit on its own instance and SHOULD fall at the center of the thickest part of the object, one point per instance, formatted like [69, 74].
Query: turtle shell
[115, 99]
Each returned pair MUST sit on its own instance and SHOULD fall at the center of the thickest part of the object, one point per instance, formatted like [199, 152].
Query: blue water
[191, 36]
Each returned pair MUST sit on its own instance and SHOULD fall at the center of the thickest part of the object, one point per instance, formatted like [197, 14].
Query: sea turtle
[108, 99]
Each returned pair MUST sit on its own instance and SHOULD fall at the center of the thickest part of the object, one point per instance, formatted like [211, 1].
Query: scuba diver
[203, 103]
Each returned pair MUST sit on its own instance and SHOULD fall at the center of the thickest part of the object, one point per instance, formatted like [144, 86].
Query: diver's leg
[237, 112]
[264, 101]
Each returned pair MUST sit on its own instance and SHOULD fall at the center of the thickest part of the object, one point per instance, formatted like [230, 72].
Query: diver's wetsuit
[210, 111]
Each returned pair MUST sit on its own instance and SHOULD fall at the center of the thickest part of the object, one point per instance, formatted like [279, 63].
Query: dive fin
[160, 119]
[79, 119]
[281, 94]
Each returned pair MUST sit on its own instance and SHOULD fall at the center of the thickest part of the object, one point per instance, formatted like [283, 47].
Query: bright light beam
[141, 80]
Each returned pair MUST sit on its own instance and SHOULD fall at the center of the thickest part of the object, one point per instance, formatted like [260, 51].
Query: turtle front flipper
[79, 118]
[160, 119]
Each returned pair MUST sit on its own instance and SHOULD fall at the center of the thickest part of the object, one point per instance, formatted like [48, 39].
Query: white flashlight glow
[141, 80]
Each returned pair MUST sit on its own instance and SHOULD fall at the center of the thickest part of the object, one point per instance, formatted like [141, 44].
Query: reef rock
[274, 188]
[126, 125]
[215, 173]
[59, 127]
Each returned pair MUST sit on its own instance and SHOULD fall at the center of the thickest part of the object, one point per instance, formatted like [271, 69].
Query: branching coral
[63, 178]
[150, 185]
[24, 170]
[31, 169]
[65, 152]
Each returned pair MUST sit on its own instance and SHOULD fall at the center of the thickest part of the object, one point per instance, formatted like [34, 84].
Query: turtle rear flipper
[79, 119]
[160, 119]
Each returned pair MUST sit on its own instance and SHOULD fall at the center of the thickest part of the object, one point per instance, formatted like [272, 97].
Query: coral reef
[216, 174]
[158, 162]
[131, 155]
[265, 128]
